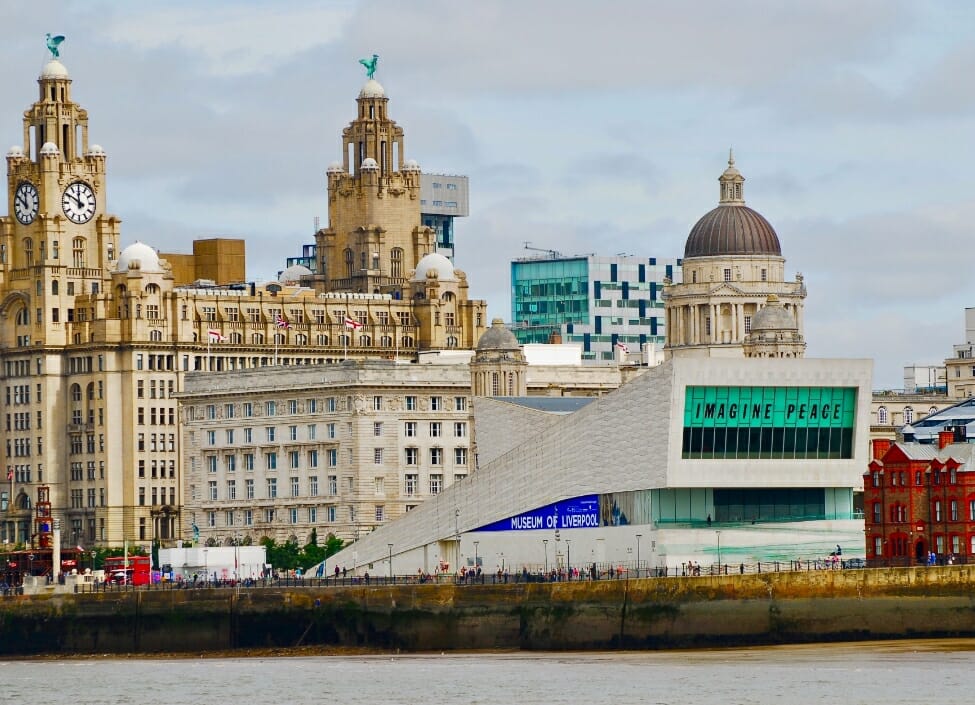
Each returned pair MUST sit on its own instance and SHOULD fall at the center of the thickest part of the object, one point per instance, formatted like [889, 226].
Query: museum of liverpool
[699, 461]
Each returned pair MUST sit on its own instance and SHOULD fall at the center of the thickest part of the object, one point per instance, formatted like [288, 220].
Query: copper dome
[732, 229]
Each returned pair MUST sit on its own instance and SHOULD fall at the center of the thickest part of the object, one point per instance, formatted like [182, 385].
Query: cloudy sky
[584, 127]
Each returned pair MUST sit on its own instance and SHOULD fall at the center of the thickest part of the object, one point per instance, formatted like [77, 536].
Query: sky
[584, 128]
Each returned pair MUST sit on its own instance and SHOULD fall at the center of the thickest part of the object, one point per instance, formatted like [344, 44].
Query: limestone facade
[96, 340]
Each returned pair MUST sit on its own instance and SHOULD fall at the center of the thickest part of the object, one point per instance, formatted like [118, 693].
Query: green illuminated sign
[770, 407]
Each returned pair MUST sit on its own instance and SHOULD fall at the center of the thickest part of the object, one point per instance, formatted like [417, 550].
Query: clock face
[78, 202]
[26, 202]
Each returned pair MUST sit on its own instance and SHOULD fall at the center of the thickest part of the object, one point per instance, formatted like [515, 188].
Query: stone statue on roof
[370, 65]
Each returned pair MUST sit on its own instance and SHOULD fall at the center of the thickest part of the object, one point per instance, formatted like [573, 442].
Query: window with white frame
[436, 483]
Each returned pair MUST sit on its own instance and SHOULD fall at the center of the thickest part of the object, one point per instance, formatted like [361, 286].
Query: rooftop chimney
[946, 437]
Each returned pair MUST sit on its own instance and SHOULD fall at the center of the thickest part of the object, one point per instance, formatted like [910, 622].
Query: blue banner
[575, 513]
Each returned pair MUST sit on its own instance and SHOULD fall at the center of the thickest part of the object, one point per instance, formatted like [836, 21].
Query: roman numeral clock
[78, 202]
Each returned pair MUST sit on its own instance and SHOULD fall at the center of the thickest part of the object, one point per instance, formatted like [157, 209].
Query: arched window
[495, 384]
[882, 415]
[349, 262]
[407, 341]
[155, 336]
[78, 252]
[386, 341]
[447, 296]
[257, 338]
[236, 338]
[152, 288]
[365, 340]
[344, 339]
[90, 391]
[908, 414]
[75, 392]
[932, 410]
[301, 339]
[451, 341]
[280, 338]
[28, 252]
[396, 262]
[323, 340]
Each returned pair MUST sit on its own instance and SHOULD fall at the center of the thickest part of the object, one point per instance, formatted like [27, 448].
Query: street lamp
[638, 537]
[557, 539]
[475, 556]
[390, 561]
[718, 532]
[568, 558]
[545, 548]
[206, 568]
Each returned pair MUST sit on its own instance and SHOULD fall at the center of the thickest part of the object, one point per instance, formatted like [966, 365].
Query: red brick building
[920, 498]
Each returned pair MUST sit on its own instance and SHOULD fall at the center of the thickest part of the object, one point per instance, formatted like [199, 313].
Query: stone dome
[15, 151]
[293, 274]
[411, 165]
[96, 150]
[335, 168]
[50, 148]
[434, 262]
[369, 164]
[497, 337]
[143, 257]
[54, 69]
[773, 317]
[372, 89]
[732, 229]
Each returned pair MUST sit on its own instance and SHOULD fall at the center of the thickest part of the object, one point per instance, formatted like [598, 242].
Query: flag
[352, 323]
[10, 473]
[216, 336]
[622, 346]
[280, 322]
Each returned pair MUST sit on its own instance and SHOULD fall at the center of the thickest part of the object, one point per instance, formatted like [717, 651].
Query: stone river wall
[649, 613]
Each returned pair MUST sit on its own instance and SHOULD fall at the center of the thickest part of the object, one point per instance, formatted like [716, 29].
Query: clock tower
[59, 240]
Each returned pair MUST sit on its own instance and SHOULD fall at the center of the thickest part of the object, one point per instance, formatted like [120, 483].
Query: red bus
[136, 572]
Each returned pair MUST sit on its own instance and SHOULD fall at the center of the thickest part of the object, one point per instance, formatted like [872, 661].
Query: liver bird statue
[370, 65]
[53, 43]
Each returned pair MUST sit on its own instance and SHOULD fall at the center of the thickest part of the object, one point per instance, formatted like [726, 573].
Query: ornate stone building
[95, 341]
[732, 264]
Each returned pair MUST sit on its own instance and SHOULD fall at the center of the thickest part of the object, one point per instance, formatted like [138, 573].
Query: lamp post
[557, 539]
[545, 548]
[390, 561]
[206, 568]
[638, 537]
[718, 532]
[475, 555]
[568, 558]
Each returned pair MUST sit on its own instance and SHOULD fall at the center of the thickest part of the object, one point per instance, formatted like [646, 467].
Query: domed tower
[374, 237]
[774, 333]
[499, 367]
[732, 264]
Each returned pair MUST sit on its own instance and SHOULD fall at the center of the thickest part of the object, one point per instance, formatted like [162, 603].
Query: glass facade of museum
[785, 423]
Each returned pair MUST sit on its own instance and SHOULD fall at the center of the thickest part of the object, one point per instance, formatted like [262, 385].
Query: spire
[732, 184]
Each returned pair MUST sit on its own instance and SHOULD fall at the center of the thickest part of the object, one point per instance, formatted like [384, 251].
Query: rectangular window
[333, 485]
[436, 404]
[211, 494]
[377, 456]
[460, 429]
[436, 484]
[435, 429]
[379, 486]
[379, 512]
[293, 433]
[292, 406]
[313, 458]
[294, 459]
[412, 456]
[312, 405]
[436, 456]
[411, 403]
[231, 489]
[377, 428]
[410, 429]
[269, 433]
[460, 456]
[313, 486]
[228, 411]
[333, 457]
[412, 484]
[295, 489]
[272, 488]
[330, 513]
[271, 461]
[249, 488]
[727, 275]
[377, 403]
[312, 431]
[211, 438]
[330, 430]
[270, 408]
[312, 515]
[460, 403]
[330, 405]
[248, 461]
[953, 509]
[248, 409]
[211, 464]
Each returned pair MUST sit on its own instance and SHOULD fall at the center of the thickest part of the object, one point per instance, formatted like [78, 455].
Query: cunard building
[95, 339]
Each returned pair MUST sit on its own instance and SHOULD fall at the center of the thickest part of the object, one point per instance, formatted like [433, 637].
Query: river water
[887, 673]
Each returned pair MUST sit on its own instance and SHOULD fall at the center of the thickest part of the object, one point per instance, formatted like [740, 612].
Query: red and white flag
[352, 323]
[280, 322]
[622, 346]
[10, 473]
[216, 336]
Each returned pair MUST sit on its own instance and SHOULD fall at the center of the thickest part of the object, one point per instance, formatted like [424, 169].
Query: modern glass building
[593, 300]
